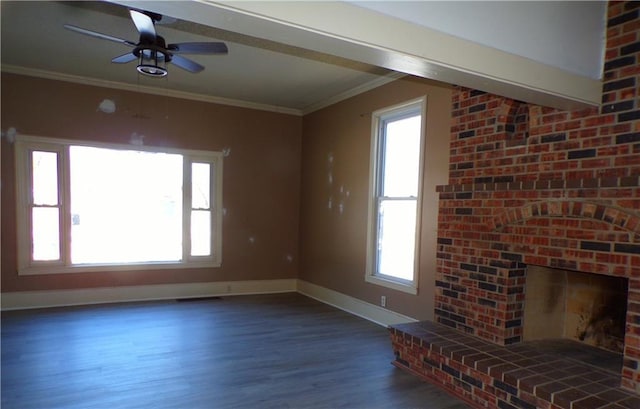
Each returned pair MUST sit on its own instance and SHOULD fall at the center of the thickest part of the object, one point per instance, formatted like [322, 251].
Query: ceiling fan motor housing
[152, 57]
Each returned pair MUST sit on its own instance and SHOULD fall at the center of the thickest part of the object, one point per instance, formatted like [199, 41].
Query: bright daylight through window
[396, 158]
[87, 207]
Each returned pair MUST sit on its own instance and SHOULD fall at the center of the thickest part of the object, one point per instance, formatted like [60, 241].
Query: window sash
[380, 121]
[27, 265]
[402, 238]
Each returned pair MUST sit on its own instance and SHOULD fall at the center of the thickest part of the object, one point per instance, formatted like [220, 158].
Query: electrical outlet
[383, 301]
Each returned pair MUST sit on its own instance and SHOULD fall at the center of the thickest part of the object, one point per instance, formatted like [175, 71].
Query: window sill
[96, 268]
[404, 286]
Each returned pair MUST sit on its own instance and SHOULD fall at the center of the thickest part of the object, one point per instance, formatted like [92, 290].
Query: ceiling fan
[151, 50]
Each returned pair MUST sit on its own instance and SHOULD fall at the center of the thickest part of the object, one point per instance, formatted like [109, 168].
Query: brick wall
[536, 185]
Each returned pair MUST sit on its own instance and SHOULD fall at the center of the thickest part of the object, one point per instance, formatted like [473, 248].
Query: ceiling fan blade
[99, 35]
[198, 48]
[124, 58]
[186, 64]
[144, 24]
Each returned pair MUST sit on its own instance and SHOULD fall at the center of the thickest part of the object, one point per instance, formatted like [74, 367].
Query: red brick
[534, 223]
[621, 40]
[631, 26]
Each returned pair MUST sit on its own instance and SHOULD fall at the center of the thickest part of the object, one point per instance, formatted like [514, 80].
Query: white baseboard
[368, 311]
[59, 298]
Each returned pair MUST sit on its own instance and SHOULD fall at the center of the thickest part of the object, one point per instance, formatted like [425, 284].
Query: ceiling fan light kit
[151, 63]
[151, 70]
[151, 51]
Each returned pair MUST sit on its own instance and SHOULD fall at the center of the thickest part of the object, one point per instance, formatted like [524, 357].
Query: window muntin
[397, 141]
[125, 208]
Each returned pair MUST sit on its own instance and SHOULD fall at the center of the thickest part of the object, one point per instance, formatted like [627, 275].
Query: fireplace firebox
[586, 307]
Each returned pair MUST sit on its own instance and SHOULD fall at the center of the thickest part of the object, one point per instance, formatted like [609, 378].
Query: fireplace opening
[584, 307]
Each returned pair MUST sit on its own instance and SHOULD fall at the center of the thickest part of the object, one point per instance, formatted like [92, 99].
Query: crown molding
[56, 76]
[378, 82]
[32, 72]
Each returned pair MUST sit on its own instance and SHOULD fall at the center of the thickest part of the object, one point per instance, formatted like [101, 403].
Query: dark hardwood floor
[267, 351]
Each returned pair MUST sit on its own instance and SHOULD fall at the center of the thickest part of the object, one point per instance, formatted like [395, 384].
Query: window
[98, 207]
[394, 204]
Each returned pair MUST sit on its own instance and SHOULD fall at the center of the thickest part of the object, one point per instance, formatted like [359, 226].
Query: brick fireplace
[536, 186]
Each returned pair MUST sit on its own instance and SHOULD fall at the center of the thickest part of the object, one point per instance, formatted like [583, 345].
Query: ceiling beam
[363, 35]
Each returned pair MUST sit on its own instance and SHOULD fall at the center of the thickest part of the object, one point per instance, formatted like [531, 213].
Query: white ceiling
[256, 72]
[290, 57]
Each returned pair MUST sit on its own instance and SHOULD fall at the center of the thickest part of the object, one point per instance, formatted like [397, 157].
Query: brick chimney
[531, 185]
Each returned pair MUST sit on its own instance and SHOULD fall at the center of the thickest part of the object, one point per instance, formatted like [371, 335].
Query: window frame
[25, 144]
[376, 169]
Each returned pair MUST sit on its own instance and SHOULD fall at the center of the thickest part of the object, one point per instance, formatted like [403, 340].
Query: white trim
[21, 300]
[353, 92]
[377, 119]
[56, 76]
[354, 306]
[26, 266]
[347, 30]
[113, 145]
[395, 284]
[83, 296]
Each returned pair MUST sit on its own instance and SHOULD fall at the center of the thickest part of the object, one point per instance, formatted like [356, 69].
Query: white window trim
[26, 143]
[407, 286]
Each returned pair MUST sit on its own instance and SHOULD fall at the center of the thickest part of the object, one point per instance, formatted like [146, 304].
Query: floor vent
[191, 299]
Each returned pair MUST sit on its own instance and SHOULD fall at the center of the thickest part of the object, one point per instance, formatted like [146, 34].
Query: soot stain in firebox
[606, 325]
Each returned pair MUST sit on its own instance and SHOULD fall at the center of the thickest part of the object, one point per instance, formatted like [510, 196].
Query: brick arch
[616, 216]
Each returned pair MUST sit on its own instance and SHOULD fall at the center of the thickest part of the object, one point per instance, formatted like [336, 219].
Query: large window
[92, 207]
[396, 169]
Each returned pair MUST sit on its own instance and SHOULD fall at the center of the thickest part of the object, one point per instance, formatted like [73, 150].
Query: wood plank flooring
[266, 351]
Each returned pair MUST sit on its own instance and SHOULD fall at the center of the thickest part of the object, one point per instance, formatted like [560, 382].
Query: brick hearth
[540, 374]
[531, 185]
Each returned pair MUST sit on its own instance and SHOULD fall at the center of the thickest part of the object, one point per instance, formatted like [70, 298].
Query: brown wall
[261, 174]
[335, 168]
[267, 194]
